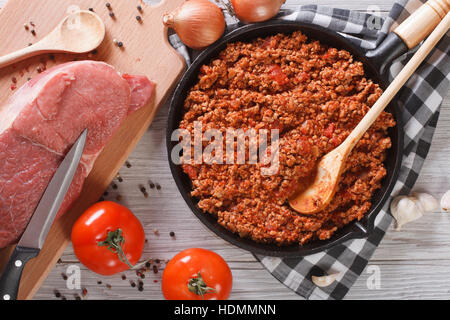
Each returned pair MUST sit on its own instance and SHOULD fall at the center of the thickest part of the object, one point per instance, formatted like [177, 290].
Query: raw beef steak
[43, 119]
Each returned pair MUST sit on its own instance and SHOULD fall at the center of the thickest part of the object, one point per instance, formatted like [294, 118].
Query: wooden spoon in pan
[320, 193]
[79, 32]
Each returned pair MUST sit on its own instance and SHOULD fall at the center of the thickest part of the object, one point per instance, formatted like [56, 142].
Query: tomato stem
[114, 243]
[198, 286]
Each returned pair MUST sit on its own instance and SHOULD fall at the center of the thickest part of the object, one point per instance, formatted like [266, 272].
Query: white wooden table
[414, 263]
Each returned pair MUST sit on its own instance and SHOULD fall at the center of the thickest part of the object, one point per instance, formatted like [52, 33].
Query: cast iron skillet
[375, 63]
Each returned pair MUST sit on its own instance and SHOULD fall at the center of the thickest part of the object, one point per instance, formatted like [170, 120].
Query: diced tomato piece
[329, 131]
[269, 43]
[276, 73]
[305, 146]
[190, 171]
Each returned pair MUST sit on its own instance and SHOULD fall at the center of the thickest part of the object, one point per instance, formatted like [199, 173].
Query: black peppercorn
[57, 293]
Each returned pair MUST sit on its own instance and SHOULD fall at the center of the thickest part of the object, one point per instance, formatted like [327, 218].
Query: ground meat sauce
[315, 96]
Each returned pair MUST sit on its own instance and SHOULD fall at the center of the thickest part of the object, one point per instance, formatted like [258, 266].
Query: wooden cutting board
[146, 51]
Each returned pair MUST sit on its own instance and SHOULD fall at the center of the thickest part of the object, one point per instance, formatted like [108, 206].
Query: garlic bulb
[256, 10]
[198, 23]
[407, 209]
[427, 202]
[324, 281]
[404, 209]
[445, 202]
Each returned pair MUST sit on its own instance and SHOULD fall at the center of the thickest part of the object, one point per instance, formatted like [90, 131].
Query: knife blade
[37, 229]
[39, 225]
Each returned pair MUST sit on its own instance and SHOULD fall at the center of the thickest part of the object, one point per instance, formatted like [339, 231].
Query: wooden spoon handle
[21, 54]
[397, 84]
[420, 24]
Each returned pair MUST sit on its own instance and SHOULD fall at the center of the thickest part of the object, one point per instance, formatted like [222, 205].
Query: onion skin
[250, 11]
[198, 23]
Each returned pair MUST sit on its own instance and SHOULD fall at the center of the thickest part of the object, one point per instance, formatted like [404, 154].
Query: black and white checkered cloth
[420, 99]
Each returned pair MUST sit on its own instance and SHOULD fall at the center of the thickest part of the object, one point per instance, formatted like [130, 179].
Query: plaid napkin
[420, 100]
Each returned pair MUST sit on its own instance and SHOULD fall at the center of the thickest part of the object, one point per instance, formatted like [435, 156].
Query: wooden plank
[146, 51]
[405, 280]
[260, 285]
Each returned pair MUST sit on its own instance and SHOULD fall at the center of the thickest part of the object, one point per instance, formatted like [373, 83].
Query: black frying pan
[375, 63]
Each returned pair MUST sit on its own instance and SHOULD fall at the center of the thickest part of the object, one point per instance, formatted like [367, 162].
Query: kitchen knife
[34, 236]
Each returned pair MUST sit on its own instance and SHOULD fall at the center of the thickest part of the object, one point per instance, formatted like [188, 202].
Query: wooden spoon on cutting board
[79, 32]
[319, 194]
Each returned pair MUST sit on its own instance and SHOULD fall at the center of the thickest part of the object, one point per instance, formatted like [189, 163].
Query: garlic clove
[426, 201]
[404, 209]
[324, 281]
[445, 202]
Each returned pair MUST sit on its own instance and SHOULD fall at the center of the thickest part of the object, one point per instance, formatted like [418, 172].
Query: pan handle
[410, 33]
[422, 22]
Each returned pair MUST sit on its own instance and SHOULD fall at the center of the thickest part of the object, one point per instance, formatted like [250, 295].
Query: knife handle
[10, 279]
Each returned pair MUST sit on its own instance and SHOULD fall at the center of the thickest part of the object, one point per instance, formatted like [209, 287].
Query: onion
[198, 23]
[256, 10]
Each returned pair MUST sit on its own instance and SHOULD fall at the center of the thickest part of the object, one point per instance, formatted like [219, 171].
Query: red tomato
[108, 238]
[197, 268]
